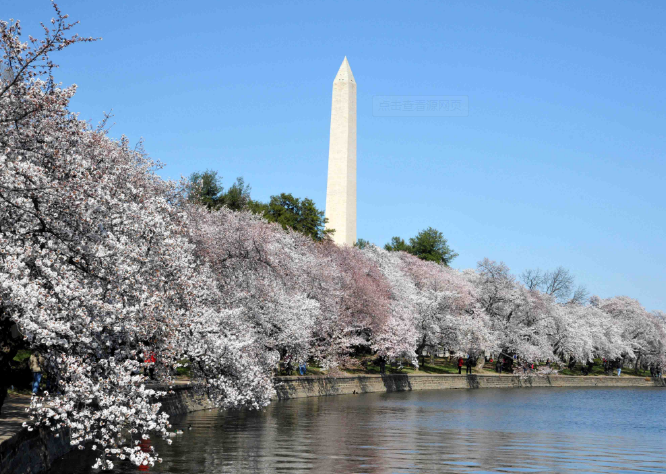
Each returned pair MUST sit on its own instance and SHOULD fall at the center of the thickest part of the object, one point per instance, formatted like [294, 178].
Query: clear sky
[560, 161]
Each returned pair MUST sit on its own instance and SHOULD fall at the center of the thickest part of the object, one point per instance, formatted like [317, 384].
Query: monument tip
[345, 72]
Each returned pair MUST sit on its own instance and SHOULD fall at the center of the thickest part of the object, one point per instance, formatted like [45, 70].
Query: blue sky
[561, 160]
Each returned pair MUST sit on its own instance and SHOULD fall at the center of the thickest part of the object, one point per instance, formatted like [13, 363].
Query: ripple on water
[475, 431]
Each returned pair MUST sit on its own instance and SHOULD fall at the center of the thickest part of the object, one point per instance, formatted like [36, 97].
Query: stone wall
[184, 399]
[299, 387]
[30, 452]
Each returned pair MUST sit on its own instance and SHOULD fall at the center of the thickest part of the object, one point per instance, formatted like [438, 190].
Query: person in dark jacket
[468, 366]
[382, 365]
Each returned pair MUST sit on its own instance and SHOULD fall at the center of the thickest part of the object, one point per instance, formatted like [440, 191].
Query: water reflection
[535, 430]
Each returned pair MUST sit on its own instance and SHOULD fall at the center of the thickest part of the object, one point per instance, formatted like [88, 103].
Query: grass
[183, 372]
[19, 391]
[598, 370]
[367, 365]
[22, 355]
[445, 366]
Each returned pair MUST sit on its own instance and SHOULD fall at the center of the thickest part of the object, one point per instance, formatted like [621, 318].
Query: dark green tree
[205, 188]
[257, 207]
[237, 197]
[362, 243]
[428, 244]
[397, 244]
[431, 245]
[299, 214]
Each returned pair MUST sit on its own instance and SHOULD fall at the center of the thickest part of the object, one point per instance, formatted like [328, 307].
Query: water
[489, 430]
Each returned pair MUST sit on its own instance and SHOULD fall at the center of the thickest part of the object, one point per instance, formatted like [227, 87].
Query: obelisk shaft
[341, 189]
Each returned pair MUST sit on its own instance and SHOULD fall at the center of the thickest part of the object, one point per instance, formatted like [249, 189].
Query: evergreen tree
[299, 214]
[431, 245]
[205, 188]
[397, 244]
[237, 197]
[428, 244]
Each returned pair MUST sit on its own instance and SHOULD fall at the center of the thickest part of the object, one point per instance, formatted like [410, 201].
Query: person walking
[302, 368]
[460, 365]
[36, 367]
[619, 367]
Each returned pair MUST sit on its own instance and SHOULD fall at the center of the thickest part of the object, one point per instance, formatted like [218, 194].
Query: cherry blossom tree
[258, 270]
[97, 269]
[396, 338]
[443, 305]
[364, 306]
[642, 332]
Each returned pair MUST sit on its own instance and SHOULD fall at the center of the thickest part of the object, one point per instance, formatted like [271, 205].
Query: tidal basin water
[488, 430]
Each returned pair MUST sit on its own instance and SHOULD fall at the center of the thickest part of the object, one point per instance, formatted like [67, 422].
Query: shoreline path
[13, 415]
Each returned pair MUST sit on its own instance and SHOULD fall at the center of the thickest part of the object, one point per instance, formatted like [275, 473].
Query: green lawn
[367, 365]
[598, 369]
[444, 366]
[22, 355]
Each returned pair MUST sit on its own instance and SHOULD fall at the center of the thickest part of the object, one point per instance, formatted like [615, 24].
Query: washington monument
[341, 188]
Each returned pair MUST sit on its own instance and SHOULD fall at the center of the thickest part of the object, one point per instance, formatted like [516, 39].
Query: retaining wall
[184, 399]
[299, 387]
[34, 451]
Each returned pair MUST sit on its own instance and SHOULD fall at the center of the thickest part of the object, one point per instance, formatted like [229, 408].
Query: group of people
[504, 364]
[302, 367]
[528, 367]
[655, 370]
[609, 366]
[468, 363]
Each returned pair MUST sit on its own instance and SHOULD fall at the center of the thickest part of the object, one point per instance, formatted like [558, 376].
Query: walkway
[13, 415]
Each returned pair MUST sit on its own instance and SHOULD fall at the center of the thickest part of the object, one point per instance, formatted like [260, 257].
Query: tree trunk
[480, 362]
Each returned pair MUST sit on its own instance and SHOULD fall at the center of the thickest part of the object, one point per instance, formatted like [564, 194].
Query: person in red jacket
[150, 360]
[460, 365]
